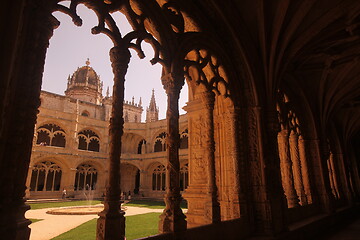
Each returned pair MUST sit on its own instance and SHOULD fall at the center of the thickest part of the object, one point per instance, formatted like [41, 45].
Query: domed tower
[85, 85]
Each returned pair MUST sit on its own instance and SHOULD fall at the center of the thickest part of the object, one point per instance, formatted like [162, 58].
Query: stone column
[286, 169]
[339, 159]
[111, 224]
[297, 171]
[212, 206]
[274, 218]
[237, 195]
[172, 219]
[305, 169]
[334, 178]
[33, 26]
[319, 156]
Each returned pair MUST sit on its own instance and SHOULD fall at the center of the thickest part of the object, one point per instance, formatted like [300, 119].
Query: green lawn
[137, 226]
[62, 204]
[33, 220]
[151, 204]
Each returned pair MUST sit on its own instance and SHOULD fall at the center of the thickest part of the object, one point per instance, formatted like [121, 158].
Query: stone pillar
[305, 169]
[237, 196]
[319, 156]
[172, 219]
[335, 177]
[297, 168]
[111, 224]
[212, 206]
[274, 218]
[286, 169]
[339, 159]
[33, 26]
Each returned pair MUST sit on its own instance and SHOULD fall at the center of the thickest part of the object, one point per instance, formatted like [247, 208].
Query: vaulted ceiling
[312, 46]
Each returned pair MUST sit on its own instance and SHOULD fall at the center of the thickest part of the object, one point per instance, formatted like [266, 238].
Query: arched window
[160, 142]
[126, 118]
[85, 113]
[184, 139]
[85, 178]
[50, 135]
[46, 176]
[184, 177]
[158, 178]
[88, 140]
[141, 147]
[135, 118]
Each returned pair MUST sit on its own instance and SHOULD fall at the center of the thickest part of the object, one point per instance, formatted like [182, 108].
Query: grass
[151, 204]
[33, 220]
[61, 204]
[137, 226]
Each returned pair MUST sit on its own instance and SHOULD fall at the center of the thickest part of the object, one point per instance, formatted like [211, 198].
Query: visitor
[63, 196]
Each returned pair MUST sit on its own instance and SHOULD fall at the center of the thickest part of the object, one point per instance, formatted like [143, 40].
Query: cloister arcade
[273, 114]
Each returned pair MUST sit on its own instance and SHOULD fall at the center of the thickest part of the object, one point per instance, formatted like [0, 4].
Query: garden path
[54, 225]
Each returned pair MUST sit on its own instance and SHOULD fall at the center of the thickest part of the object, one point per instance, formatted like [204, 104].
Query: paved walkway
[54, 225]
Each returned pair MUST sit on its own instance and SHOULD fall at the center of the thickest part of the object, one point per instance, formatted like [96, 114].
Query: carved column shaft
[286, 169]
[172, 219]
[297, 171]
[111, 224]
[305, 169]
[238, 196]
[320, 155]
[20, 107]
[334, 177]
[209, 155]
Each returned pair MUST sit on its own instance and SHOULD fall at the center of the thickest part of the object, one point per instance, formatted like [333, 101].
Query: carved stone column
[297, 171]
[111, 224]
[172, 219]
[237, 195]
[339, 159]
[212, 206]
[275, 199]
[34, 26]
[334, 177]
[319, 156]
[286, 169]
[305, 169]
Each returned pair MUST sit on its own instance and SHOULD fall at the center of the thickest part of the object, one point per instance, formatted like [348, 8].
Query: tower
[152, 112]
[85, 85]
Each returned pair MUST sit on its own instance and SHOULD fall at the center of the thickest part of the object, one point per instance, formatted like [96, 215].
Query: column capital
[172, 82]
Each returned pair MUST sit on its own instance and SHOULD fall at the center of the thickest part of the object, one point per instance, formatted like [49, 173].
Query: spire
[107, 92]
[152, 112]
[152, 105]
[140, 102]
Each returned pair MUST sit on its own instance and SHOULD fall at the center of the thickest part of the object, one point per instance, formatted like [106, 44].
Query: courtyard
[48, 226]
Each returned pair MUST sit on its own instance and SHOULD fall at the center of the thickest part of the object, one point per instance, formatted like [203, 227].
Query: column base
[111, 224]
[172, 219]
[199, 206]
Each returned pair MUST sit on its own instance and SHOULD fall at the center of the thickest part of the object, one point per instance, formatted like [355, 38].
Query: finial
[153, 92]
[87, 62]
[107, 92]
[140, 102]
[132, 102]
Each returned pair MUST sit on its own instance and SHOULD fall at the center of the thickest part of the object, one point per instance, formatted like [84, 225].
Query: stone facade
[70, 146]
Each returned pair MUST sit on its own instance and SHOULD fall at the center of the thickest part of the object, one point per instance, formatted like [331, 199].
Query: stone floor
[348, 232]
[54, 225]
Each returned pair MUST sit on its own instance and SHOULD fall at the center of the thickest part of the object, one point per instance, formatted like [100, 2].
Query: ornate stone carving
[297, 168]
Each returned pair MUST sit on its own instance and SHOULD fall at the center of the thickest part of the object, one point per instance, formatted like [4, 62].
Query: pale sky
[70, 46]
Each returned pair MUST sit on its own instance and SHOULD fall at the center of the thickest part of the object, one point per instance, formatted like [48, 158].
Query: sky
[70, 47]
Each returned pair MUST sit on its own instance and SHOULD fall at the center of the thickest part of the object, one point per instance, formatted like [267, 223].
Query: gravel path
[54, 225]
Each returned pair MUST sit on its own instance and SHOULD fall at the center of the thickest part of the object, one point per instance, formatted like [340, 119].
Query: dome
[85, 75]
[84, 84]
